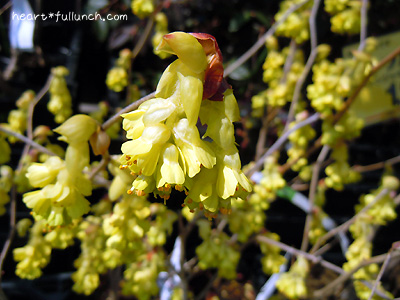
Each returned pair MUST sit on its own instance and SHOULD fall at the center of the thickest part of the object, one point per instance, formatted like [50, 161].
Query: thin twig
[249, 53]
[5, 7]
[382, 270]
[103, 163]
[309, 64]
[326, 290]
[343, 227]
[107, 124]
[136, 50]
[262, 136]
[363, 24]
[378, 165]
[311, 196]
[32, 105]
[146, 33]
[289, 60]
[294, 251]
[258, 164]
[27, 141]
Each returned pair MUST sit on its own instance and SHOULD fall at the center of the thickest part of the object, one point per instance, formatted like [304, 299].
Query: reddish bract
[214, 83]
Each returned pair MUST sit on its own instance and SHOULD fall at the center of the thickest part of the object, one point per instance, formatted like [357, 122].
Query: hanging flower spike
[165, 149]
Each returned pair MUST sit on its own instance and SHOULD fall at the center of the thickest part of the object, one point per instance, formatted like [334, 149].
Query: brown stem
[294, 251]
[5, 7]
[258, 164]
[262, 136]
[382, 270]
[311, 196]
[326, 290]
[378, 165]
[27, 141]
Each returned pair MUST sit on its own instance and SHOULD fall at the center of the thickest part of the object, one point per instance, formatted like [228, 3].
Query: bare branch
[258, 164]
[309, 64]
[27, 141]
[249, 53]
[294, 251]
[311, 196]
[364, 24]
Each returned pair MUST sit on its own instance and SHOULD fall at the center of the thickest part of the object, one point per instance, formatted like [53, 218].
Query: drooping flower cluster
[161, 29]
[166, 149]
[117, 77]
[296, 26]
[60, 97]
[64, 186]
[142, 8]
[6, 177]
[280, 87]
[292, 283]
[382, 212]
[346, 16]
[216, 252]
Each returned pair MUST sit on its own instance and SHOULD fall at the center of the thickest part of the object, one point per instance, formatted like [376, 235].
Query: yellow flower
[170, 170]
[292, 283]
[77, 129]
[40, 175]
[142, 8]
[143, 153]
[187, 48]
[230, 175]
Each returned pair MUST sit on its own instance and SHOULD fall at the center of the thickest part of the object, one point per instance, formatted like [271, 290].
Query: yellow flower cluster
[299, 141]
[91, 261]
[142, 8]
[296, 25]
[215, 251]
[361, 248]
[333, 81]
[161, 29]
[292, 283]
[117, 77]
[63, 183]
[60, 97]
[271, 181]
[34, 256]
[272, 259]
[140, 278]
[246, 212]
[345, 15]
[17, 118]
[166, 150]
[5, 150]
[6, 178]
[280, 90]
[339, 172]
